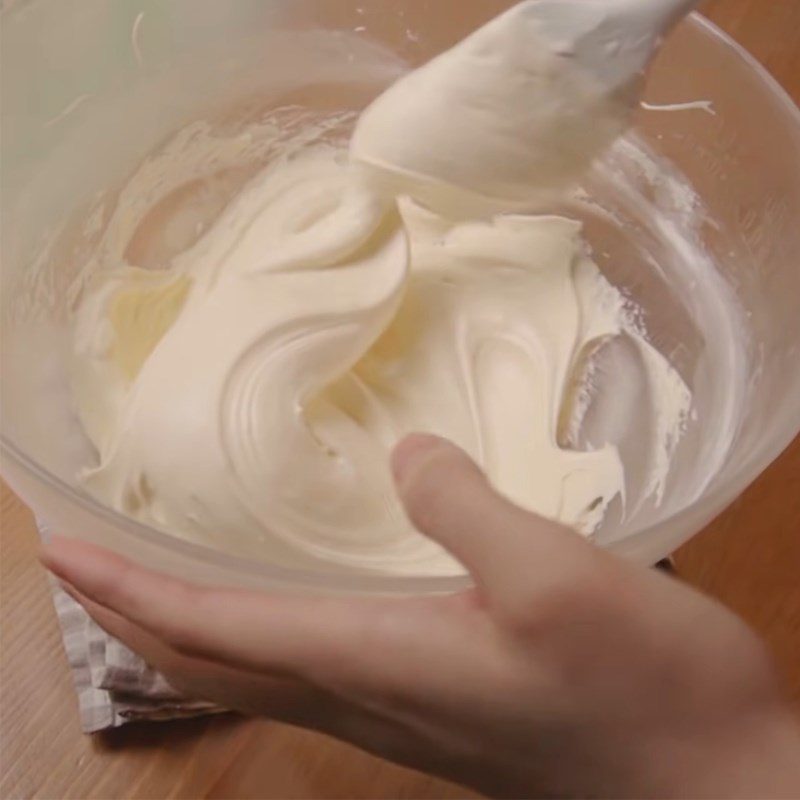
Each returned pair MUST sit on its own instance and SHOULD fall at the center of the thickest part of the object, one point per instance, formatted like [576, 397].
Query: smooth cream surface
[248, 394]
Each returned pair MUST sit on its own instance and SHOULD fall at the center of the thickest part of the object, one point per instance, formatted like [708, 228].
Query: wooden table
[748, 558]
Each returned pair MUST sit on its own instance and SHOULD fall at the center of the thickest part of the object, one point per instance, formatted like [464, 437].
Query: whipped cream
[246, 395]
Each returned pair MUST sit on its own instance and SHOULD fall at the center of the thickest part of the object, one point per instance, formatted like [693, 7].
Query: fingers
[155, 653]
[448, 498]
[146, 645]
[238, 690]
[312, 638]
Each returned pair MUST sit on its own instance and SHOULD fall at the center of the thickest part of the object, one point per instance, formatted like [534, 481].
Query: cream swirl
[248, 395]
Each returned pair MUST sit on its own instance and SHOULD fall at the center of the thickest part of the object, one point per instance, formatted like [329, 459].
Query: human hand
[565, 671]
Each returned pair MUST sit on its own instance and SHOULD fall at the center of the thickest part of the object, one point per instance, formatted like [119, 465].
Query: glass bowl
[695, 215]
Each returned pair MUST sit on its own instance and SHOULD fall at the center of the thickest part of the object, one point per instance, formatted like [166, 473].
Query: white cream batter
[253, 388]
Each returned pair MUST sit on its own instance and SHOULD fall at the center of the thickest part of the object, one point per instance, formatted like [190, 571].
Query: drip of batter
[247, 395]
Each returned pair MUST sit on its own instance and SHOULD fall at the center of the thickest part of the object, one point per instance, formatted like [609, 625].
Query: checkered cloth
[114, 685]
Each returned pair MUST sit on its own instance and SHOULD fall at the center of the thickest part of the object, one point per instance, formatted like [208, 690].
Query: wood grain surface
[748, 558]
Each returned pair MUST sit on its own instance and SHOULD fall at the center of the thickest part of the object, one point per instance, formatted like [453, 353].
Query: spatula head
[613, 40]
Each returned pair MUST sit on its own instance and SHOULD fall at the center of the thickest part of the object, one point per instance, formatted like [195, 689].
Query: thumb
[448, 498]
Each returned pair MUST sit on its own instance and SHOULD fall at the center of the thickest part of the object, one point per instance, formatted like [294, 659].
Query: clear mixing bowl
[695, 215]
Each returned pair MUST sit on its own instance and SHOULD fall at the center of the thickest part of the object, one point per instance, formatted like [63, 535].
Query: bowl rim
[303, 579]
